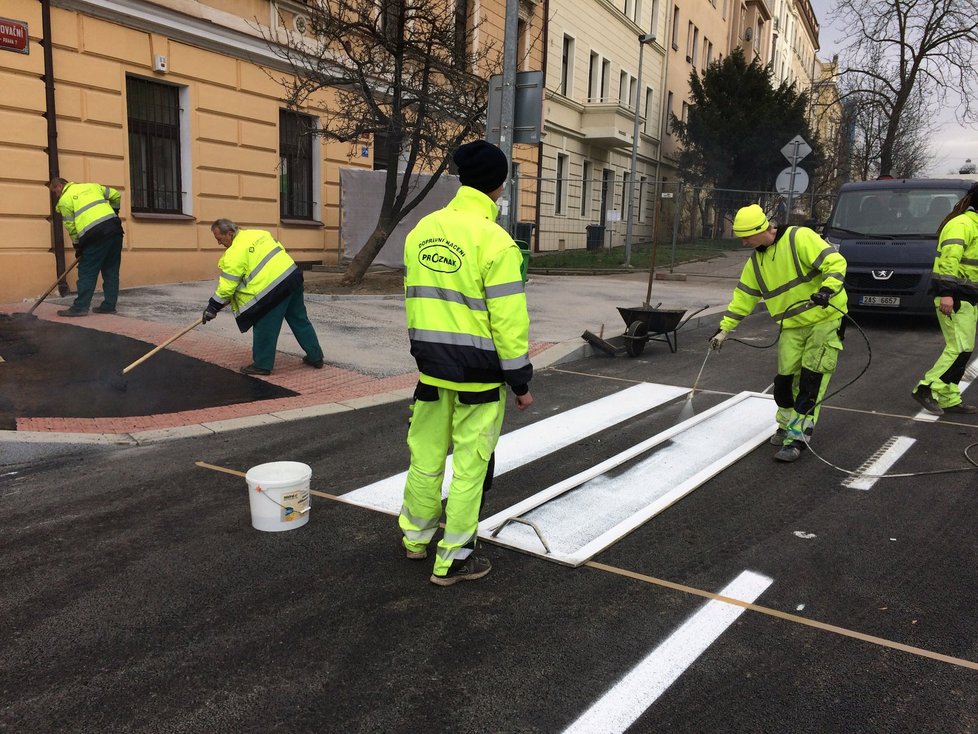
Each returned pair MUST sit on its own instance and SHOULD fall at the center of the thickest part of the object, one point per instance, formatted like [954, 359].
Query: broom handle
[54, 285]
[169, 341]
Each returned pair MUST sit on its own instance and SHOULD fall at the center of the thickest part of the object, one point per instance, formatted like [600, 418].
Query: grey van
[887, 231]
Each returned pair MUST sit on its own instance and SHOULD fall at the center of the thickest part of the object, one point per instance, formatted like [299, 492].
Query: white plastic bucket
[279, 495]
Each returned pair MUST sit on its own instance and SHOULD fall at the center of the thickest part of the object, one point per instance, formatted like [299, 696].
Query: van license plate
[879, 300]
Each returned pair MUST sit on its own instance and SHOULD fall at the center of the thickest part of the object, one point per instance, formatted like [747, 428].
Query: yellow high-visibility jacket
[90, 212]
[956, 264]
[785, 274]
[465, 298]
[256, 275]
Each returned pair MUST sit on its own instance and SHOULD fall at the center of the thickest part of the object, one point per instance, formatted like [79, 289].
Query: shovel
[30, 314]
[196, 322]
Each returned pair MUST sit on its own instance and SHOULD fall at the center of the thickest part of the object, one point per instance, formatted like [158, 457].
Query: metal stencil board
[527, 444]
[586, 513]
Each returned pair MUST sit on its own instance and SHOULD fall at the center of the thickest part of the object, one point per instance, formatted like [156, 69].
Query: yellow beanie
[750, 220]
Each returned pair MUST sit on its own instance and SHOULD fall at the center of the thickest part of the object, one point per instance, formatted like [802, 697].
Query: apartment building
[795, 44]
[592, 96]
[179, 105]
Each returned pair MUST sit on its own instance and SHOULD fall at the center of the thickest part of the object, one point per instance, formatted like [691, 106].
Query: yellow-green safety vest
[465, 298]
[83, 206]
[785, 275]
[956, 264]
[251, 268]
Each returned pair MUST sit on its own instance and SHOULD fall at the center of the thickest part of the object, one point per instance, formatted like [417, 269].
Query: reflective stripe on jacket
[956, 264]
[465, 298]
[256, 271]
[86, 206]
[785, 275]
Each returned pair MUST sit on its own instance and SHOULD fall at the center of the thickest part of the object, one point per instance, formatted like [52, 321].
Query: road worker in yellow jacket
[90, 213]
[955, 284]
[800, 277]
[469, 330]
[264, 287]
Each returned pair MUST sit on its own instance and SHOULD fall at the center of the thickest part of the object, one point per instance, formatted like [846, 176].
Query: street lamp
[630, 188]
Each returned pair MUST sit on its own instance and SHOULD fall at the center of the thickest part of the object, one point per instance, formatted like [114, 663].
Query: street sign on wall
[14, 36]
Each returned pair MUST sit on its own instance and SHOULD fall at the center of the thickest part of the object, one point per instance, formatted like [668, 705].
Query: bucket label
[294, 504]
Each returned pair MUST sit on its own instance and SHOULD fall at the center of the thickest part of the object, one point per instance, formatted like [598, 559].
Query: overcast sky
[952, 144]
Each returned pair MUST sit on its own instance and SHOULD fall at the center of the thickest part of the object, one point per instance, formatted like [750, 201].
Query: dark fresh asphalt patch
[68, 371]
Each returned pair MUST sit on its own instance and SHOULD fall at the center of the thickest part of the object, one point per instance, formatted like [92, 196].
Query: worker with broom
[90, 213]
[264, 287]
[800, 277]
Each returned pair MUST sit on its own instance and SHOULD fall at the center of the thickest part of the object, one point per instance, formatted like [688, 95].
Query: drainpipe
[546, 56]
[57, 230]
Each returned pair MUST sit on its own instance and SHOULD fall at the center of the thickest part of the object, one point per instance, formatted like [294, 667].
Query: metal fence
[554, 215]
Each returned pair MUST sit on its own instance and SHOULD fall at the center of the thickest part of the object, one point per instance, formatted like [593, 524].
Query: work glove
[821, 296]
[208, 315]
[716, 341]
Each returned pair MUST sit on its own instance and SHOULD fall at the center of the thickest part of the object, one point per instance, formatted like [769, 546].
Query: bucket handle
[265, 494]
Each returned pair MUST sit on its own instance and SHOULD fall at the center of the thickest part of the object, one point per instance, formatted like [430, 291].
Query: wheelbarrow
[645, 323]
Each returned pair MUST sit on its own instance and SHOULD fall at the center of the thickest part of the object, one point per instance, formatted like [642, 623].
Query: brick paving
[314, 387]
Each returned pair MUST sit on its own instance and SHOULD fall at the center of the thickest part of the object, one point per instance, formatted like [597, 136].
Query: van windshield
[904, 212]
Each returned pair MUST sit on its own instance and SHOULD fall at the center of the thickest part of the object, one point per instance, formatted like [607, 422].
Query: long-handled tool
[197, 322]
[699, 374]
[49, 290]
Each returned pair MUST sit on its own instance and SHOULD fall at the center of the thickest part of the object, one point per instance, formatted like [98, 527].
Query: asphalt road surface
[137, 597]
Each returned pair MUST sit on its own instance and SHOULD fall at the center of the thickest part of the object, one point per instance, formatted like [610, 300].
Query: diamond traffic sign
[796, 149]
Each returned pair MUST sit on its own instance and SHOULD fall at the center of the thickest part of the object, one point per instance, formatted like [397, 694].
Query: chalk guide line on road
[672, 585]
[641, 686]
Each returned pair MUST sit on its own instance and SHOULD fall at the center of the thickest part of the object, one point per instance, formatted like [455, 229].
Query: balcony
[607, 124]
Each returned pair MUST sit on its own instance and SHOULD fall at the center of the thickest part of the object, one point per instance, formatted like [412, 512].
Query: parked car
[887, 231]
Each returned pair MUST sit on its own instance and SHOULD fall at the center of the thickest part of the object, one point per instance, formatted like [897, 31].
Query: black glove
[821, 296]
[208, 315]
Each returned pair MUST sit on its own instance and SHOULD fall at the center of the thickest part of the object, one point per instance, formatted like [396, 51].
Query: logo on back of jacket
[440, 255]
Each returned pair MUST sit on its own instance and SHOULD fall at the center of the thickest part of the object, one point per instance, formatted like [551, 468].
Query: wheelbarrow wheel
[636, 335]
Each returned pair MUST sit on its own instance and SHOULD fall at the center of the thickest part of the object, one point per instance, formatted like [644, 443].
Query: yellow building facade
[179, 106]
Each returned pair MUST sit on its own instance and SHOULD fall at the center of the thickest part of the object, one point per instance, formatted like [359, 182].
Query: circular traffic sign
[785, 185]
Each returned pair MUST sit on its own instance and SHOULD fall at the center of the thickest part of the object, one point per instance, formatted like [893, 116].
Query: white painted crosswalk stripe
[628, 699]
[879, 463]
[586, 513]
[534, 441]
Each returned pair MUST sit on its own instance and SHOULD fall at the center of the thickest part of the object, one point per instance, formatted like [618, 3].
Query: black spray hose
[869, 361]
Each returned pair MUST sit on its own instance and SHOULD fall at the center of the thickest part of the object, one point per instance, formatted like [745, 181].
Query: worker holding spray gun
[800, 277]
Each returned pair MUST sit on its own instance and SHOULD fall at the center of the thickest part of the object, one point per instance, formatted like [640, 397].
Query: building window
[643, 183]
[649, 100]
[586, 188]
[592, 76]
[696, 45]
[669, 114]
[154, 146]
[605, 79]
[675, 28]
[295, 175]
[560, 196]
[567, 66]
[626, 177]
[623, 89]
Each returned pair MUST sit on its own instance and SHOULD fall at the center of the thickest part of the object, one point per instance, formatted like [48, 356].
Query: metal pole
[507, 121]
[675, 222]
[630, 188]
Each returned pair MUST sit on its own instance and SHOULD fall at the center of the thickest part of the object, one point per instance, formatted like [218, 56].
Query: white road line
[879, 463]
[527, 444]
[628, 699]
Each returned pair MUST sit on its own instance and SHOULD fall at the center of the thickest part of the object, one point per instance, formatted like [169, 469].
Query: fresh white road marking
[538, 439]
[628, 699]
[879, 463]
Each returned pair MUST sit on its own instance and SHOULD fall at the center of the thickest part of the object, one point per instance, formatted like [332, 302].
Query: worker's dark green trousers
[105, 257]
[292, 310]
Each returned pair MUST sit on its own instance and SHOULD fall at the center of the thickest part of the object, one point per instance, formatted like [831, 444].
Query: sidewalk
[365, 342]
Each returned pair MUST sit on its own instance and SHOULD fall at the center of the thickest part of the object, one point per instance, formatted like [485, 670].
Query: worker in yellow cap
[800, 277]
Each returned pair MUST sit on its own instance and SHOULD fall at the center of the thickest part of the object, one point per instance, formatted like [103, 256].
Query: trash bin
[595, 236]
[525, 251]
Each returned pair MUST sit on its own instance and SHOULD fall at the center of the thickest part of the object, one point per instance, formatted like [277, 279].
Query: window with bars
[295, 164]
[154, 146]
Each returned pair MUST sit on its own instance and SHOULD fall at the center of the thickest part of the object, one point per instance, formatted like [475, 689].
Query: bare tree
[402, 72]
[910, 58]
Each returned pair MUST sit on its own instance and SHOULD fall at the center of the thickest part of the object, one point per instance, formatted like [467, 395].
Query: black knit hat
[481, 165]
